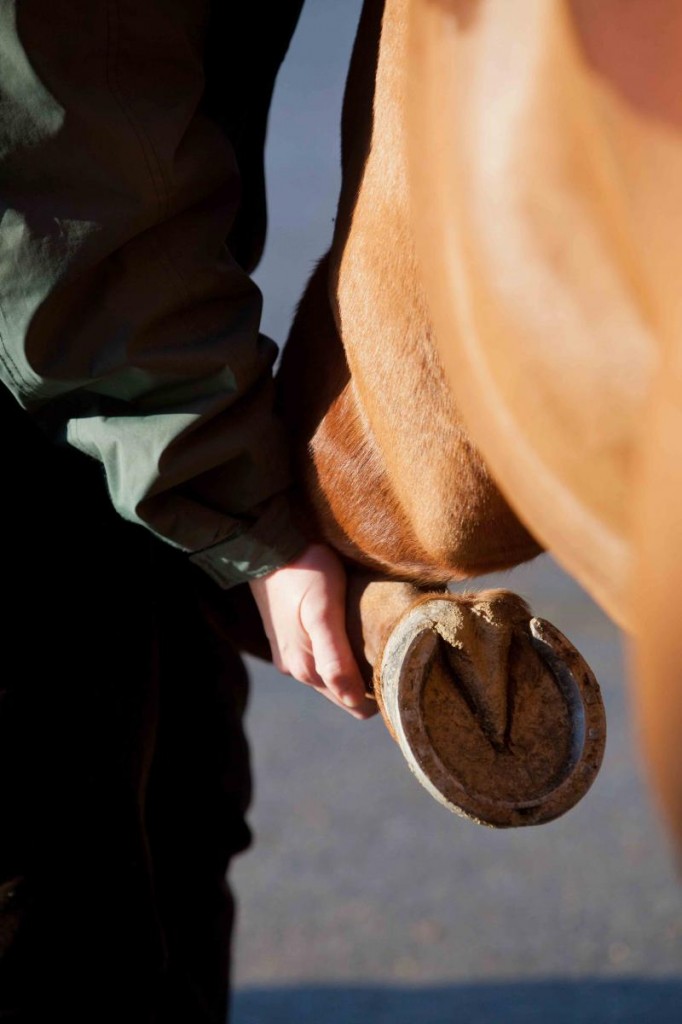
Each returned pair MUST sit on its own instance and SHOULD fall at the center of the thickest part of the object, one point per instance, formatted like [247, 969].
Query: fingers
[303, 610]
[301, 666]
[334, 665]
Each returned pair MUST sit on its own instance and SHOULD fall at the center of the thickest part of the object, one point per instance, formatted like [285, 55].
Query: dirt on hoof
[498, 715]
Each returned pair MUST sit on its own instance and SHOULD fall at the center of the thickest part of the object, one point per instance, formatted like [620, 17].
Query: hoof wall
[497, 714]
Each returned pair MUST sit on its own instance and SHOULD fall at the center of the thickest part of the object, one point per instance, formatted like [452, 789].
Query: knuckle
[317, 610]
[332, 671]
[302, 671]
[317, 624]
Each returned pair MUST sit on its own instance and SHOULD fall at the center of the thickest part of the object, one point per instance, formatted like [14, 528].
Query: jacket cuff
[255, 548]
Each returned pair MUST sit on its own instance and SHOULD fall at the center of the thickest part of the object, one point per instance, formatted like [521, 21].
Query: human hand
[302, 607]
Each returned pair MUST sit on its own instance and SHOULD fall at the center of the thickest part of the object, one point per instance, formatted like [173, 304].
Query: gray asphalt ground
[365, 901]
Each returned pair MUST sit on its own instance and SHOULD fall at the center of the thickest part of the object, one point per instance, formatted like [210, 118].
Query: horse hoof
[497, 714]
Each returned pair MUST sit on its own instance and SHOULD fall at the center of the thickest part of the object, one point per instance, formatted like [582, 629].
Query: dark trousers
[124, 772]
[123, 767]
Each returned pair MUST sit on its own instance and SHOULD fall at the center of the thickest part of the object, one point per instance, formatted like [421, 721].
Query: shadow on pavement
[624, 1001]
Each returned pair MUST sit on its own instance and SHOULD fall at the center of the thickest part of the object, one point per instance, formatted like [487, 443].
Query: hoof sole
[497, 714]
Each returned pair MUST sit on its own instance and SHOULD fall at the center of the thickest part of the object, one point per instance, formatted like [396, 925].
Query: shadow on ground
[624, 1001]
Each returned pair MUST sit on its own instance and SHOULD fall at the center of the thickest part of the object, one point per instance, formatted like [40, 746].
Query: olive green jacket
[127, 325]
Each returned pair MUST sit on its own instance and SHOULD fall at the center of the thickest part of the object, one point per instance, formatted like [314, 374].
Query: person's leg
[124, 772]
[81, 929]
[79, 932]
[198, 792]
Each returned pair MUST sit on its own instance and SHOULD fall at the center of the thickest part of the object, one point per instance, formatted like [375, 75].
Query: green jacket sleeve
[125, 325]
